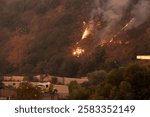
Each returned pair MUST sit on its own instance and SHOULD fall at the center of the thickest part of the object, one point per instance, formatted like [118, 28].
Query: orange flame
[78, 51]
[88, 29]
[86, 33]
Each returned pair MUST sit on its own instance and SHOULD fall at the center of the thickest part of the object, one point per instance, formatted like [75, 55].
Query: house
[78, 80]
[12, 81]
[65, 80]
[14, 84]
[13, 78]
[41, 77]
[7, 78]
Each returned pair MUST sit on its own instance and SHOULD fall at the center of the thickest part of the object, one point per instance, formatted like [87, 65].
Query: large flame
[78, 51]
[88, 30]
[86, 33]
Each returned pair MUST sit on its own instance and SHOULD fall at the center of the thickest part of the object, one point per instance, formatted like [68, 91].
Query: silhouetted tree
[28, 92]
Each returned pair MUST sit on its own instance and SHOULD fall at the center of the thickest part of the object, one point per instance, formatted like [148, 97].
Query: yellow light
[74, 53]
[143, 57]
[78, 51]
[85, 34]
[88, 30]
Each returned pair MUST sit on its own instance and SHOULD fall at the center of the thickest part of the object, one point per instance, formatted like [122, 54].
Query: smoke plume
[140, 13]
[111, 12]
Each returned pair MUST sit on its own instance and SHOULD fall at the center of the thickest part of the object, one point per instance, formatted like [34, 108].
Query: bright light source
[143, 57]
[78, 51]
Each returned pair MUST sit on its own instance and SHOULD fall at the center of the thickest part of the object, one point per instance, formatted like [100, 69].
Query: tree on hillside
[69, 67]
[139, 78]
[28, 92]
[97, 77]
[131, 82]
[77, 92]
[115, 76]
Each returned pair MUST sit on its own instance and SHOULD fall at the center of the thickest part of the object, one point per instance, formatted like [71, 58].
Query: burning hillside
[110, 19]
[71, 37]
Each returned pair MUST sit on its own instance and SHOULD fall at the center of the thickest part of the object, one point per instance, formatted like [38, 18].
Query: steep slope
[39, 36]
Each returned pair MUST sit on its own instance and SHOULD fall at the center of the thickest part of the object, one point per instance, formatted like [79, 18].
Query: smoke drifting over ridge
[113, 11]
[141, 13]
[109, 19]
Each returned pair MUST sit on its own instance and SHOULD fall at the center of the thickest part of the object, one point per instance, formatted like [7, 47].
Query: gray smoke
[140, 13]
[112, 15]
[113, 11]
[98, 10]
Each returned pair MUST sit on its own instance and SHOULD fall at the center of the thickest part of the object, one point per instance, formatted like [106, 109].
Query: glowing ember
[84, 23]
[78, 51]
[77, 43]
[127, 42]
[120, 42]
[102, 43]
[111, 40]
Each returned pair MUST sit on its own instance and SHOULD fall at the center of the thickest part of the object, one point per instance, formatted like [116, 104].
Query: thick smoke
[98, 10]
[111, 12]
[114, 11]
[140, 13]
